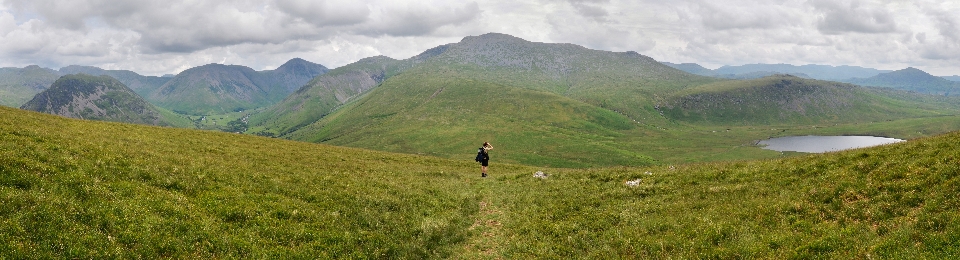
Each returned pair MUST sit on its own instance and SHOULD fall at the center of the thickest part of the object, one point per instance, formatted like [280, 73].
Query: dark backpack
[480, 155]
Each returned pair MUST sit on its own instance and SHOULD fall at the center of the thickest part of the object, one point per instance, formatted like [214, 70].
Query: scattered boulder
[540, 174]
[633, 183]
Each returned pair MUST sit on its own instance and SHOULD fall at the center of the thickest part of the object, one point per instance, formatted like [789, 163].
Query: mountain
[821, 72]
[692, 68]
[101, 190]
[952, 78]
[756, 71]
[217, 88]
[294, 73]
[142, 85]
[757, 75]
[784, 99]
[97, 98]
[911, 79]
[19, 85]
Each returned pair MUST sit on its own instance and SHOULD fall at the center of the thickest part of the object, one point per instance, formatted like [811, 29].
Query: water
[822, 144]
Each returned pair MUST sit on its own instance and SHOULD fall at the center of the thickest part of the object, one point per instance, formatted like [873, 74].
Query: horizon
[273, 68]
[142, 37]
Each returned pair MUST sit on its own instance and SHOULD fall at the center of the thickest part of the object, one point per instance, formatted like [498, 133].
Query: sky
[156, 37]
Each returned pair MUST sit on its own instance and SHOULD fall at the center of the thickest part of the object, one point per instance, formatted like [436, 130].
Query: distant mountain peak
[297, 62]
[493, 37]
[911, 79]
[913, 70]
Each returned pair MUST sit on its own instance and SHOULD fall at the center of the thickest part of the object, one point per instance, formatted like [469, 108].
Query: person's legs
[483, 169]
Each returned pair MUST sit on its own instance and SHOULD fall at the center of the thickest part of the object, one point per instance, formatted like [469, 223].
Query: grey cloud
[843, 17]
[727, 17]
[594, 35]
[183, 27]
[948, 24]
[591, 9]
[421, 20]
[75, 14]
[326, 13]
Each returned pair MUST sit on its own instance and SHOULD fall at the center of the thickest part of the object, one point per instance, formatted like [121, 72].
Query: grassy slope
[444, 115]
[136, 191]
[174, 119]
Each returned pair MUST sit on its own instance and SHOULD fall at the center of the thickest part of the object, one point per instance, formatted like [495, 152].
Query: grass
[130, 191]
[135, 191]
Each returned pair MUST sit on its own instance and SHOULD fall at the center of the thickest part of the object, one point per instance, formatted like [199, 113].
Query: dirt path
[486, 242]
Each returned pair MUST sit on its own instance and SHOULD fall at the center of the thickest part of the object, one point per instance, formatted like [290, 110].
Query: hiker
[484, 156]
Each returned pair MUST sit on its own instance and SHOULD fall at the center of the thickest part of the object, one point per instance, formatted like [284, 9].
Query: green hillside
[19, 85]
[99, 98]
[785, 99]
[444, 114]
[86, 189]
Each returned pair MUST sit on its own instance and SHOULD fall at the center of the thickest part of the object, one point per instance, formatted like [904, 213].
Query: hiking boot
[483, 174]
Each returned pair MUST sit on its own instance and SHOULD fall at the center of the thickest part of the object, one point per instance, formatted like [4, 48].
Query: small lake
[822, 144]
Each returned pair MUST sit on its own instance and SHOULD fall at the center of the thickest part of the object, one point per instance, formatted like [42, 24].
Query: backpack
[480, 155]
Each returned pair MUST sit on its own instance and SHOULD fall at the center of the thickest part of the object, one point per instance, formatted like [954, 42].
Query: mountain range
[212, 88]
[97, 98]
[747, 71]
[545, 100]
[909, 79]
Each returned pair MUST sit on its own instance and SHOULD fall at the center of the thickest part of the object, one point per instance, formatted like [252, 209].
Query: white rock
[540, 174]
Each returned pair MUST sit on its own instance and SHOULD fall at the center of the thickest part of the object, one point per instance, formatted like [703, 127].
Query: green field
[131, 191]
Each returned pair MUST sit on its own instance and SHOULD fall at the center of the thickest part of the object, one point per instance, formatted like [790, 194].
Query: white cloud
[838, 17]
[161, 36]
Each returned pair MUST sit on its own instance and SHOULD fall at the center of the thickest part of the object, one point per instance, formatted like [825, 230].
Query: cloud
[590, 9]
[166, 36]
[326, 12]
[188, 26]
[419, 18]
[838, 17]
[757, 15]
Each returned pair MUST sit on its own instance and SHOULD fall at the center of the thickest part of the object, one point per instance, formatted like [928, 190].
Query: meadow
[83, 189]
